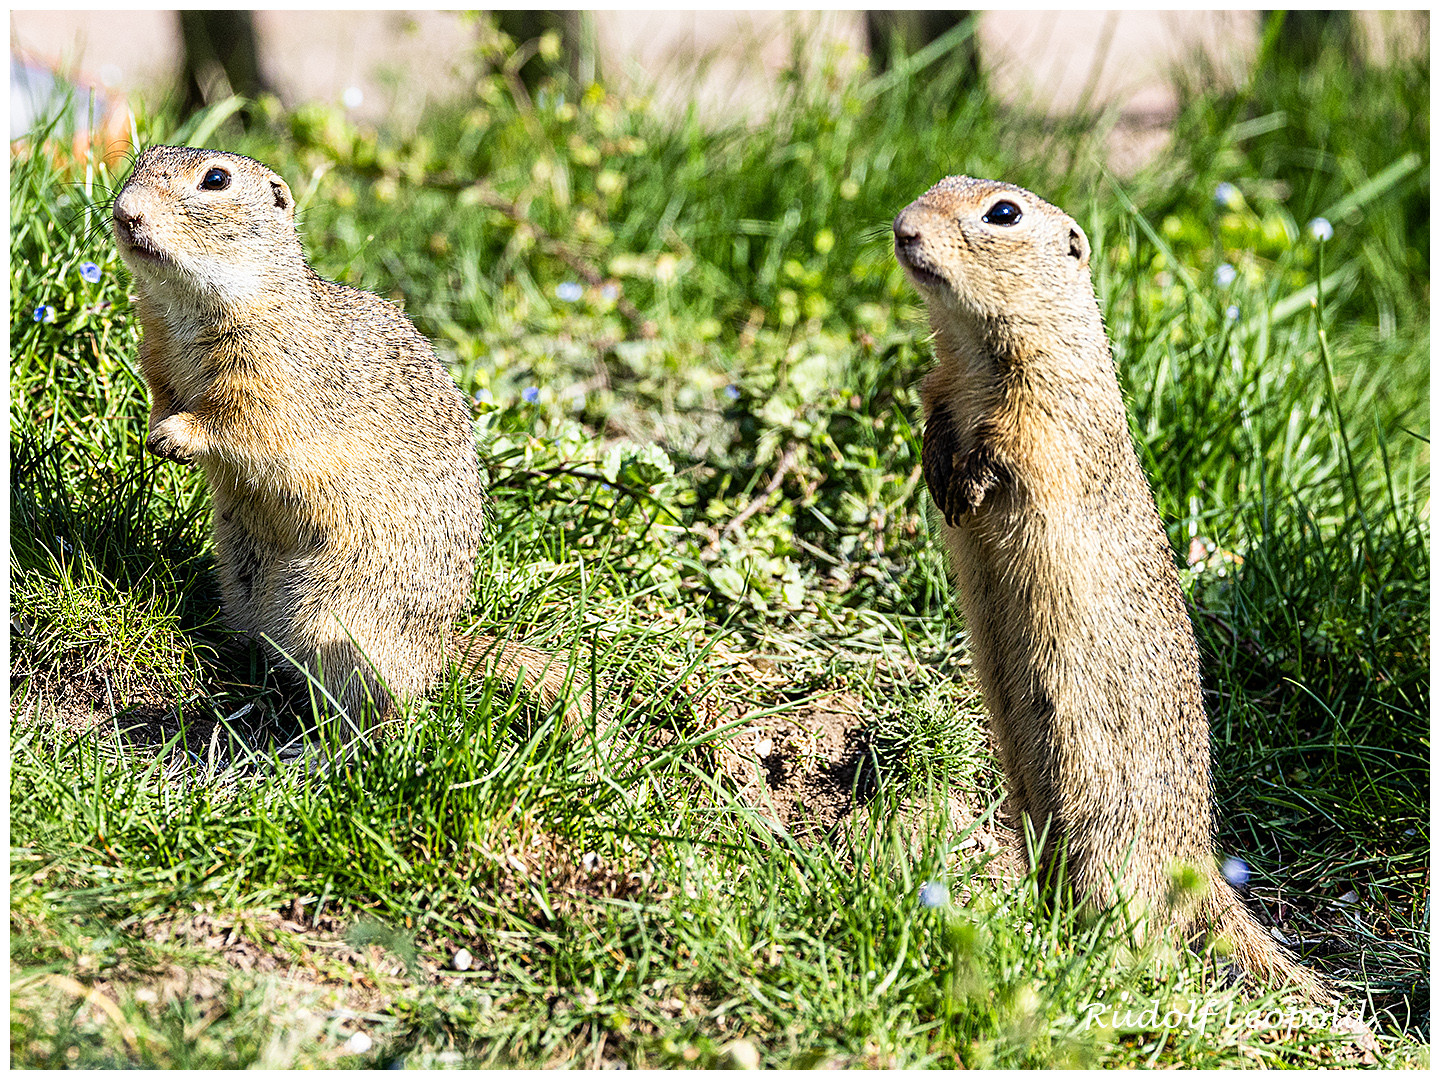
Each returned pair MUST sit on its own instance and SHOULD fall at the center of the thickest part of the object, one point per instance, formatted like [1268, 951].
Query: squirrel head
[206, 227]
[985, 253]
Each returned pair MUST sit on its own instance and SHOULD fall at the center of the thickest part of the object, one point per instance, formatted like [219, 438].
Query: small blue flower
[484, 397]
[1227, 195]
[1224, 275]
[90, 272]
[934, 894]
[531, 393]
[610, 291]
[1232, 313]
[43, 313]
[569, 291]
[732, 392]
[1235, 872]
[1321, 229]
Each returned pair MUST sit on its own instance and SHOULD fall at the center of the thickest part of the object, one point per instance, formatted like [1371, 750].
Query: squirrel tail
[1266, 963]
[1252, 948]
[542, 673]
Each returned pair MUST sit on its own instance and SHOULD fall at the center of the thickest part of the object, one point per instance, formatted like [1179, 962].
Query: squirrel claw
[164, 448]
[973, 478]
[167, 440]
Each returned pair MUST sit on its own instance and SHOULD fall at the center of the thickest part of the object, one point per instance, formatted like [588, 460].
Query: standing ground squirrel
[348, 507]
[1086, 656]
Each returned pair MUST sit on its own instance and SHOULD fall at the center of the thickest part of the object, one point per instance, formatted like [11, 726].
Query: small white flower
[1227, 195]
[743, 1054]
[569, 291]
[462, 960]
[1320, 228]
[934, 894]
[1224, 275]
[359, 1043]
[1232, 313]
[1235, 872]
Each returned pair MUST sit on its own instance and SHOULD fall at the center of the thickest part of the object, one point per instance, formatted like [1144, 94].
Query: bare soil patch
[813, 770]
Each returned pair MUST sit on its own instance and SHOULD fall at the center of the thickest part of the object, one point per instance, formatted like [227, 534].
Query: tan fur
[348, 507]
[1085, 654]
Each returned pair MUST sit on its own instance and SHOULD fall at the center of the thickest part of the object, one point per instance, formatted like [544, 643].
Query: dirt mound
[811, 771]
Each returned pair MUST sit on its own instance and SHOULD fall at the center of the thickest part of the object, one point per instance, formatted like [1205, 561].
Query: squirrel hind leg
[352, 670]
[352, 686]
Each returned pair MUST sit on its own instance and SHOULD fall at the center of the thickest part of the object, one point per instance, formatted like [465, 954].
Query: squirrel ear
[1079, 245]
[284, 201]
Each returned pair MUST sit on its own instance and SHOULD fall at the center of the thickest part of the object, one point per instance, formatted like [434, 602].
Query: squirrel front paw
[173, 438]
[974, 476]
[958, 482]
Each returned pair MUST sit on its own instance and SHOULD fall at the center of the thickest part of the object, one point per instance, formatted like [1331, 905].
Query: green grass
[715, 493]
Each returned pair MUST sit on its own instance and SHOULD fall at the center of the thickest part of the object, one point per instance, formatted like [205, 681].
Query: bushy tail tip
[1253, 949]
[541, 673]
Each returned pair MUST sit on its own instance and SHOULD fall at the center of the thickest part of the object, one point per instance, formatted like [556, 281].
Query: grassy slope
[174, 895]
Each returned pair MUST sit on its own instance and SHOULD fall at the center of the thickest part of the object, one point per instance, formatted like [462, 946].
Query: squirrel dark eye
[1002, 213]
[216, 179]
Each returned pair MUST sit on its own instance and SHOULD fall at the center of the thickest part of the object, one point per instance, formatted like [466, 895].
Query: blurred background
[387, 65]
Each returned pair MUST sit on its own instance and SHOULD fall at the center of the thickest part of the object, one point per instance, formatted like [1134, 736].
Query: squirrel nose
[905, 228]
[126, 215]
[909, 227]
[907, 231]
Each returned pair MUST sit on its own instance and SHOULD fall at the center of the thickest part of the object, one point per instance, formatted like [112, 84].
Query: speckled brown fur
[340, 456]
[1085, 654]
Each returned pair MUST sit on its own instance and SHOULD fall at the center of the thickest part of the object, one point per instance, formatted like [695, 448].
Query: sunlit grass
[693, 362]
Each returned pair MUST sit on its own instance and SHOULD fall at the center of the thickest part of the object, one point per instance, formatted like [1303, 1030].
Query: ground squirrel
[340, 456]
[1086, 657]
